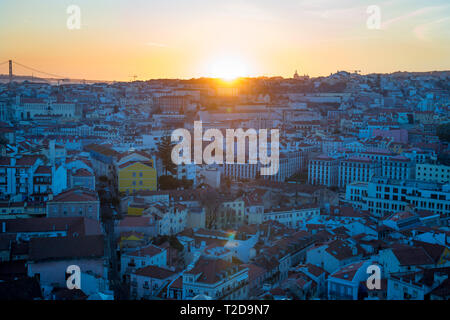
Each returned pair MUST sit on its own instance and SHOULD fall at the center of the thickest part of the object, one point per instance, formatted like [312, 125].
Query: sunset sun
[228, 68]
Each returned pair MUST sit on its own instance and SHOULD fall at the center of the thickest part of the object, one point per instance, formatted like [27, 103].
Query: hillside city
[86, 179]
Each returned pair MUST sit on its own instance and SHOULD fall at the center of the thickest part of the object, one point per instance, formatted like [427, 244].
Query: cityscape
[229, 184]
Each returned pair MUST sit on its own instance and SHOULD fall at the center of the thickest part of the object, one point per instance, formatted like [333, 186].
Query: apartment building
[291, 217]
[150, 255]
[137, 176]
[382, 196]
[76, 202]
[17, 176]
[357, 170]
[216, 278]
[323, 170]
[289, 164]
[433, 172]
[344, 283]
[31, 108]
[148, 282]
[170, 218]
[398, 168]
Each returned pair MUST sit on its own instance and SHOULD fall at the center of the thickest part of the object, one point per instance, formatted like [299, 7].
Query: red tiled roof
[76, 195]
[148, 251]
[211, 269]
[154, 272]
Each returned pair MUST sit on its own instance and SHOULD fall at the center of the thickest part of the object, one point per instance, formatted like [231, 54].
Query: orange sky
[193, 38]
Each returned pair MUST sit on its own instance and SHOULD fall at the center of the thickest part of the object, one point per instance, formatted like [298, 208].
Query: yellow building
[137, 176]
[135, 209]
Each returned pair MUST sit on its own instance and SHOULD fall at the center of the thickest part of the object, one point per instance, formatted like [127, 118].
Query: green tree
[165, 146]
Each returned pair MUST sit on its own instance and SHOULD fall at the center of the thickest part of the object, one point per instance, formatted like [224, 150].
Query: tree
[165, 146]
[210, 200]
[167, 182]
[443, 132]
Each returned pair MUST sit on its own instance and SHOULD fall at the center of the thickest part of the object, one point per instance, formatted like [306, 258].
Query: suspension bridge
[11, 70]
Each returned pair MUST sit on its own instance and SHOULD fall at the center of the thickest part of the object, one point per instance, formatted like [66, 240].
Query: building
[148, 282]
[216, 278]
[137, 176]
[231, 212]
[344, 283]
[49, 258]
[82, 178]
[32, 108]
[382, 196]
[17, 176]
[289, 164]
[150, 255]
[323, 170]
[356, 170]
[292, 217]
[170, 219]
[398, 168]
[76, 202]
[333, 255]
[419, 285]
[433, 172]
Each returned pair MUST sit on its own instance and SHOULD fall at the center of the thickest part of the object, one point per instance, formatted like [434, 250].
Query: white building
[433, 172]
[323, 170]
[344, 283]
[357, 170]
[291, 217]
[29, 108]
[170, 219]
[216, 278]
[148, 282]
[382, 196]
[150, 255]
[289, 164]
[398, 168]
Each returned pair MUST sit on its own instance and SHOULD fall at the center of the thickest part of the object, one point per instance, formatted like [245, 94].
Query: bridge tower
[10, 71]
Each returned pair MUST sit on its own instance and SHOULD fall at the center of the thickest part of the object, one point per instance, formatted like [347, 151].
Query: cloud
[422, 31]
[411, 14]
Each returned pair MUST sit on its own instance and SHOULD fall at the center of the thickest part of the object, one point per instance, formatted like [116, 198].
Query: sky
[118, 39]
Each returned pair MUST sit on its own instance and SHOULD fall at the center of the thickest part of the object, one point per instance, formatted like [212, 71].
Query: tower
[10, 71]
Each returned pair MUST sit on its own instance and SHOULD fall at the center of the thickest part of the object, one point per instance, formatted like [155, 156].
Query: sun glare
[228, 68]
